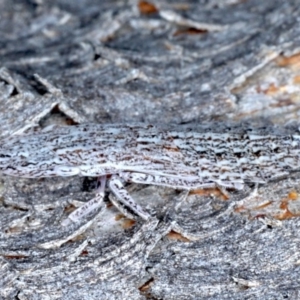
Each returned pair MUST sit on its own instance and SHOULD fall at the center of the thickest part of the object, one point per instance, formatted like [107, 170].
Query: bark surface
[181, 62]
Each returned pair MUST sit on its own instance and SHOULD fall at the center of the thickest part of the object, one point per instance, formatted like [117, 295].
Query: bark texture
[69, 62]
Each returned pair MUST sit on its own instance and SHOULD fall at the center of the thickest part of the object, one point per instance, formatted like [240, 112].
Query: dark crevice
[144, 290]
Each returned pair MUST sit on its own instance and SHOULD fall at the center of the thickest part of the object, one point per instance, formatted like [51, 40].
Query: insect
[186, 159]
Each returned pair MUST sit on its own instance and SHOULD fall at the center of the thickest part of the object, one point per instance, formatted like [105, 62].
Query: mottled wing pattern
[204, 156]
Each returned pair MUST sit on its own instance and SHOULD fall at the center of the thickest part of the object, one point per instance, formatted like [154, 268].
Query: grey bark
[68, 62]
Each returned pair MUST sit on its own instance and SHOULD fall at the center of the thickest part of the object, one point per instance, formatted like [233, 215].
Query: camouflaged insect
[189, 159]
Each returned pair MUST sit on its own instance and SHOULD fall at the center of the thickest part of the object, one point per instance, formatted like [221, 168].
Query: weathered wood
[158, 62]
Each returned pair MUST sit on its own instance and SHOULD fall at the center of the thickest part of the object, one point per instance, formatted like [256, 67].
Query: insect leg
[122, 196]
[181, 182]
[89, 206]
[167, 181]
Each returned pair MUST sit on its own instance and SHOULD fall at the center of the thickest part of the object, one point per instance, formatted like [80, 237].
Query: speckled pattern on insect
[185, 159]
